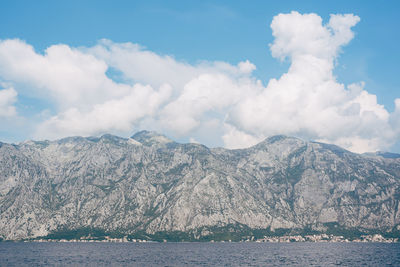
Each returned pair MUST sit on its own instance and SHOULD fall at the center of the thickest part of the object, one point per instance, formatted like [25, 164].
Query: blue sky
[194, 32]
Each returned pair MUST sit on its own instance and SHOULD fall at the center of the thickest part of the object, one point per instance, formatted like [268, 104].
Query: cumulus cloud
[297, 35]
[138, 64]
[116, 115]
[395, 117]
[7, 99]
[65, 74]
[208, 97]
[86, 100]
[211, 102]
[307, 101]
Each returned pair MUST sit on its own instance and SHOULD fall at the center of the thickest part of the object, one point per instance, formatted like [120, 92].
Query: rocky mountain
[151, 186]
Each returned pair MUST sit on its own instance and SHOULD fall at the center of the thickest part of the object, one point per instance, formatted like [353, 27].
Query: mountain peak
[151, 138]
[279, 139]
[275, 138]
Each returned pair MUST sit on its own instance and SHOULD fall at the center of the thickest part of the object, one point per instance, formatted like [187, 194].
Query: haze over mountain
[150, 184]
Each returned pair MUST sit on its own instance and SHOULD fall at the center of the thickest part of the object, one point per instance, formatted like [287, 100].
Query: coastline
[320, 238]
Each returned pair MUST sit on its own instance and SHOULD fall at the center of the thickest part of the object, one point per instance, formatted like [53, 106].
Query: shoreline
[321, 238]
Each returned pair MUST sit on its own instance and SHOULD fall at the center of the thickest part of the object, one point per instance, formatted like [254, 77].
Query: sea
[199, 254]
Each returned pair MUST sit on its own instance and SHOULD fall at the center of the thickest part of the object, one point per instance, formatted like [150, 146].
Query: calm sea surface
[199, 254]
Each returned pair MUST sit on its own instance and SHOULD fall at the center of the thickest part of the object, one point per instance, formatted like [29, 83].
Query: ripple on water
[200, 254]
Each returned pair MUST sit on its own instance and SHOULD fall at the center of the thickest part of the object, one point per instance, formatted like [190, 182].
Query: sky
[221, 73]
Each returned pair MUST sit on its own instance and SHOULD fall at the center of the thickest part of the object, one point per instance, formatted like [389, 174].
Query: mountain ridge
[151, 134]
[150, 184]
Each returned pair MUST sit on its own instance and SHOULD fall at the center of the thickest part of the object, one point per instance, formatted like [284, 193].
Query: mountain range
[151, 187]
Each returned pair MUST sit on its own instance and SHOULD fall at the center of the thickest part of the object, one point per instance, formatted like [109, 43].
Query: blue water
[199, 254]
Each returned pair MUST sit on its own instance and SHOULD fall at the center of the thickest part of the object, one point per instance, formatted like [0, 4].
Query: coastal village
[327, 238]
[377, 238]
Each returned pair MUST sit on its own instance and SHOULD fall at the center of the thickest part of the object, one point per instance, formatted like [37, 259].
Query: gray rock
[151, 183]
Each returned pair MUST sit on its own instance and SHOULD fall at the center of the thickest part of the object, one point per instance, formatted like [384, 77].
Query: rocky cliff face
[149, 183]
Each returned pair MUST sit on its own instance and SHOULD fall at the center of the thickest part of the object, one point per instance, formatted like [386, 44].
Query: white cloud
[209, 101]
[208, 97]
[193, 141]
[7, 99]
[234, 138]
[114, 115]
[138, 64]
[303, 34]
[66, 75]
[87, 101]
[395, 117]
[307, 101]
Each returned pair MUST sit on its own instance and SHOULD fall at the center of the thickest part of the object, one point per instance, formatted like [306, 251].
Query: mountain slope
[149, 184]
